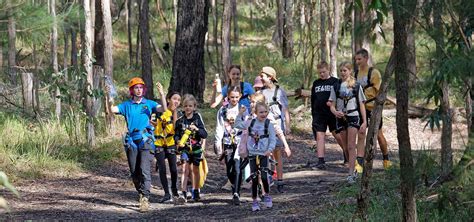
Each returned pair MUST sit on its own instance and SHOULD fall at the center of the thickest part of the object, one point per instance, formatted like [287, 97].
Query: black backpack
[369, 76]
[355, 93]
[274, 98]
[265, 129]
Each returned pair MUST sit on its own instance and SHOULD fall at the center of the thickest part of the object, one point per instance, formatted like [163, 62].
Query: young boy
[320, 111]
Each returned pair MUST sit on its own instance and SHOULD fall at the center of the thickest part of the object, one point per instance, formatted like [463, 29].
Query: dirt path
[107, 194]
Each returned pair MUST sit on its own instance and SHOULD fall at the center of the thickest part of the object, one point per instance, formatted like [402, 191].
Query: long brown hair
[233, 66]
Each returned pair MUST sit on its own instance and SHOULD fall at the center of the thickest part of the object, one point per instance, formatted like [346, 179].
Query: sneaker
[255, 205]
[321, 166]
[271, 181]
[227, 186]
[351, 179]
[358, 168]
[144, 204]
[387, 164]
[181, 200]
[166, 199]
[268, 201]
[236, 199]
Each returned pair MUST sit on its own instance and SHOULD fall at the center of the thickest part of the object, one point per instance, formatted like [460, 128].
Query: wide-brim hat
[258, 82]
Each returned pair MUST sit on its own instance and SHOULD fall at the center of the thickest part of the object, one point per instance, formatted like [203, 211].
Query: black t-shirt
[320, 92]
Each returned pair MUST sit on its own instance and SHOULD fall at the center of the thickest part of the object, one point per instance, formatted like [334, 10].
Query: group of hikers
[252, 123]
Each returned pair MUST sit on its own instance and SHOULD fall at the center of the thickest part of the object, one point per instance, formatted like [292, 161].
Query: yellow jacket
[164, 130]
[371, 91]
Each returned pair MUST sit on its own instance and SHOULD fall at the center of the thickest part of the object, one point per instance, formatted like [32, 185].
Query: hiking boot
[321, 166]
[166, 199]
[255, 205]
[144, 204]
[387, 164]
[358, 168]
[236, 199]
[268, 201]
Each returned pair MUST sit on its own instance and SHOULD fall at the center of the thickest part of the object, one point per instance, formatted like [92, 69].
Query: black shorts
[322, 122]
[368, 114]
[349, 121]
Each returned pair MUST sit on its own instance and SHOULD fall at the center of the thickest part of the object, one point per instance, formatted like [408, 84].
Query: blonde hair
[351, 81]
[258, 97]
[260, 104]
[189, 98]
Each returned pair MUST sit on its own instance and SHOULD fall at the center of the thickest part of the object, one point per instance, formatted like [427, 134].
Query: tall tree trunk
[1, 57]
[404, 12]
[74, 48]
[215, 32]
[11, 47]
[188, 59]
[235, 19]
[36, 104]
[108, 39]
[323, 29]
[54, 55]
[87, 48]
[66, 51]
[334, 37]
[287, 43]
[146, 49]
[27, 91]
[226, 20]
[371, 139]
[361, 28]
[99, 40]
[108, 51]
[128, 18]
[277, 36]
[446, 112]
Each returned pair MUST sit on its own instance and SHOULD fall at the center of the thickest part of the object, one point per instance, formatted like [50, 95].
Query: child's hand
[339, 114]
[287, 151]
[193, 127]
[153, 123]
[268, 153]
[363, 127]
[242, 110]
[160, 88]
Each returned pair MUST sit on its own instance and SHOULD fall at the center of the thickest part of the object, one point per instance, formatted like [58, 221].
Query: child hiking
[228, 138]
[260, 145]
[277, 102]
[166, 146]
[347, 104]
[138, 141]
[190, 132]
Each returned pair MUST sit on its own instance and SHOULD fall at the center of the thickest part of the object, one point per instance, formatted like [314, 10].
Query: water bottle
[110, 85]
[185, 137]
[218, 84]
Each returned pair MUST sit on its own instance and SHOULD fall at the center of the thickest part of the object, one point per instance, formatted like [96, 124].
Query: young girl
[138, 141]
[234, 74]
[347, 104]
[278, 110]
[228, 138]
[190, 132]
[165, 145]
[260, 145]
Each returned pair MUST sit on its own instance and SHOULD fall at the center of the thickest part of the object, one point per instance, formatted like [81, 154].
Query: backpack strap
[252, 123]
[274, 98]
[369, 76]
[265, 129]
[337, 88]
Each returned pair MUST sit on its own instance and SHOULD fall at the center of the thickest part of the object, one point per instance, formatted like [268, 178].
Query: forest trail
[107, 193]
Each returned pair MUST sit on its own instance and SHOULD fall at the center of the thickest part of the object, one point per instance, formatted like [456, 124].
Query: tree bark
[188, 59]
[128, 18]
[226, 20]
[371, 139]
[74, 48]
[99, 40]
[278, 32]
[235, 19]
[216, 32]
[334, 37]
[54, 56]
[11, 47]
[66, 51]
[108, 59]
[87, 48]
[287, 44]
[360, 29]
[323, 29]
[404, 12]
[146, 49]
[27, 91]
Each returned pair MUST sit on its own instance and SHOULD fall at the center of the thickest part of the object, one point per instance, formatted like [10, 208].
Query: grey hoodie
[264, 144]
